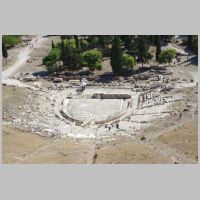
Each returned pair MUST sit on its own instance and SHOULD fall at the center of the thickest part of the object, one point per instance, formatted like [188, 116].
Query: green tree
[142, 48]
[166, 56]
[51, 60]
[93, 41]
[103, 44]
[128, 61]
[129, 43]
[158, 46]
[189, 40]
[69, 53]
[193, 43]
[10, 40]
[4, 52]
[52, 44]
[91, 59]
[84, 45]
[77, 41]
[116, 56]
[63, 37]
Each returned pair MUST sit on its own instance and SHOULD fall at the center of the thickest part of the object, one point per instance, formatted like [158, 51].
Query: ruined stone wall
[111, 96]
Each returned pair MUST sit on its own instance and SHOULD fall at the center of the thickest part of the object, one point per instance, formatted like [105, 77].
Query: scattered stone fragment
[58, 80]
[143, 138]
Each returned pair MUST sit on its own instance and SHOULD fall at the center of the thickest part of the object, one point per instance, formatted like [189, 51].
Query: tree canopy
[10, 40]
[193, 43]
[69, 53]
[128, 60]
[142, 48]
[91, 59]
[50, 61]
[76, 51]
[166, 56]
[116, 56]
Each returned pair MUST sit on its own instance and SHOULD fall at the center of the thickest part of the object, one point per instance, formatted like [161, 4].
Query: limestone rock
[58, 80]
[30, 78]
[121, 79]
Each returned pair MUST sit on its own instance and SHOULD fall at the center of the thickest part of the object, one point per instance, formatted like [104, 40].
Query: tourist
[117, 125]
[180, 115]
[83, 83]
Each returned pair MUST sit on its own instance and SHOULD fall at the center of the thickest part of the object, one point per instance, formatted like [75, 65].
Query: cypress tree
[52, 45]
[69, 55]
[63, 52]
[189, 40]
[116, 56]
[4, 52]
[142, 48]
[158, 46]
[77, 41]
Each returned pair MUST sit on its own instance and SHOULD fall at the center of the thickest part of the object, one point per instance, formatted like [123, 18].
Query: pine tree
[4, 52]
[116, 56]
[128, 43]
[103, 44]
[102, 41]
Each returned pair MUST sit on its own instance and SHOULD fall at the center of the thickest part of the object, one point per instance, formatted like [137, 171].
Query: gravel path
[22, 57]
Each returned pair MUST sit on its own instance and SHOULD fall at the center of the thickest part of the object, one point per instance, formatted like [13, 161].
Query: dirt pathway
[23, 56]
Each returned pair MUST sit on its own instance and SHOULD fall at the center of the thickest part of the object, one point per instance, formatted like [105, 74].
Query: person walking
[117, 125]
[180, 115]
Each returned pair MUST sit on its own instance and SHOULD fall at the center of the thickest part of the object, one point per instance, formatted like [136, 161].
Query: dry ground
[163, 140]
[23, 147]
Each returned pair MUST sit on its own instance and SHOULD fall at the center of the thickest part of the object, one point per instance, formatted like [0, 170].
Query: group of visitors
[31, 46]
[116, 125]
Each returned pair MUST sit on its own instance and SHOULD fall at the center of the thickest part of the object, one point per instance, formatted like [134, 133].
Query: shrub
[91, 59]
[128, 61]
